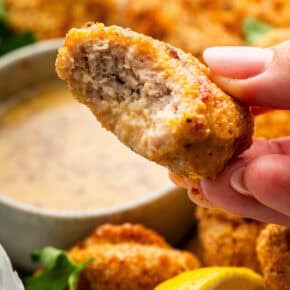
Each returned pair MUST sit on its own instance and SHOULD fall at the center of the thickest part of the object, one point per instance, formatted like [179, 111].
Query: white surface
[9, 279]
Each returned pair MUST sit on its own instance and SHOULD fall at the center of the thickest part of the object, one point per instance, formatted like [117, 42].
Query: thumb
[257, 76]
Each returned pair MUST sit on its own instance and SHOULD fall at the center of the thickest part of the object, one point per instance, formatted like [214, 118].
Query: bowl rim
[168, 188]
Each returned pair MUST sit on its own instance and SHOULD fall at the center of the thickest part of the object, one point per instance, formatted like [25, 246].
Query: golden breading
[151, 17]
[231, 13]
[47, 18]
[273, 249]
[176, 24]
[226, 240]
[278, 276]
[156, 99]
[273, 37]
[128, 257]
[191, 25]
[82, 11]
[53, 18]
[273, 124]
[273, 242]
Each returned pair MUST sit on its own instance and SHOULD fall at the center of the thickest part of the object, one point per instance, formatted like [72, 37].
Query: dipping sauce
[54, 154]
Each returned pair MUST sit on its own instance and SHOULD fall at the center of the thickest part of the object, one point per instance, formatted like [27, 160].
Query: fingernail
[237, 181]
[238, 62]
[196, 196]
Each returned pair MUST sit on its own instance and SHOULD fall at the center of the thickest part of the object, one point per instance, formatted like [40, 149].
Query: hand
[257, 184]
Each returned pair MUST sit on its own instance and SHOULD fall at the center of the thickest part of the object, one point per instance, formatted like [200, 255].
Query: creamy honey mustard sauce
[54, 154]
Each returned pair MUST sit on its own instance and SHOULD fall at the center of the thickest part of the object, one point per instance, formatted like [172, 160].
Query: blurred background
[189, 24]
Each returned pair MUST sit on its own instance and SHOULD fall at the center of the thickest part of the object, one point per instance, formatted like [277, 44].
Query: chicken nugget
[128, 257]
[224, 239]
[273, 242]
[46, 18]
[273, 124]
[278, 275]
[156, 99]
[53, 18]
[273, 37]
[273, 249]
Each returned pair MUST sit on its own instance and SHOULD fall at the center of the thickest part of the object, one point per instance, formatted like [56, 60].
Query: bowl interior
[34, 65]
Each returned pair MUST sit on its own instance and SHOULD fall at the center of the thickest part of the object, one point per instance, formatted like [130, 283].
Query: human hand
[257, 184]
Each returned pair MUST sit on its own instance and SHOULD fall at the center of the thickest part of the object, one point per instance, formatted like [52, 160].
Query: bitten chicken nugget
[156, 99]
[224, 239]
[128, 257]
[273, 249]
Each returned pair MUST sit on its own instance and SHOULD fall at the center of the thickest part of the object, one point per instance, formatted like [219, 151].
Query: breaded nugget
[273, 124]
[151, 17]
[155, 98]
[53, 18]
[47, 18]
[128, 257]
[273, 37]
[273, 242]
[273, 249]
[195, 39]
[174, 23]
[226, 240]
[278, 276]
[231, 13]
[82, 11]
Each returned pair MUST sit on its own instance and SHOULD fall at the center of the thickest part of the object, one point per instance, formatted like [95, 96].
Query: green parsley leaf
[59, 271]
[10, 40]
[253, 29]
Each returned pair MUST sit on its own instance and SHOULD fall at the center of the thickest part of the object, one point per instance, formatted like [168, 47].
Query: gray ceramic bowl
[24, 228]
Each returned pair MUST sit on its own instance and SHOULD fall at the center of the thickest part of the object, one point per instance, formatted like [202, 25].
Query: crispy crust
[278, 275]
[226, 240]
[128, 257]
[274, 124]
[127, 233]
[273, 242]
[53, 18]
[197, 127]
[192, 25]
[273, 249]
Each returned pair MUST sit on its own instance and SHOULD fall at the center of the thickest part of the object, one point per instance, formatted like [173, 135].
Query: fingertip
[237, 62]
[268, 180]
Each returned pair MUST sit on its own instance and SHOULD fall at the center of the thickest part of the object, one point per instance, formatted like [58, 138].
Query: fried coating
[273, 124]
[226, 240]
[273, 242]
[177, 23]
[128, 257]
[231, 13]
[278, 276]
[273, 37]
[47, 18]
[192, 25]
[53, 18]
[156, 99]
[273, 249]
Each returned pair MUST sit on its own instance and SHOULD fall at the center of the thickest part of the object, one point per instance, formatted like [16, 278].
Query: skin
[257, 184]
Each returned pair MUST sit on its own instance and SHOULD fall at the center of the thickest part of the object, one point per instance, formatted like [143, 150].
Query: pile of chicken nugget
[131, 257]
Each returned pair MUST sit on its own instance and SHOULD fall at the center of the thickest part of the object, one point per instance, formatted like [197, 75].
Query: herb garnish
[58, 272]
[253, 29]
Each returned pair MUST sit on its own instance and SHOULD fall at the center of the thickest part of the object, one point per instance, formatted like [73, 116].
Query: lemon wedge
[215, 278]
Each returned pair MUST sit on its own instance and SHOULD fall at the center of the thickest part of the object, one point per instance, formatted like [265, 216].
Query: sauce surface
[54, 154]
